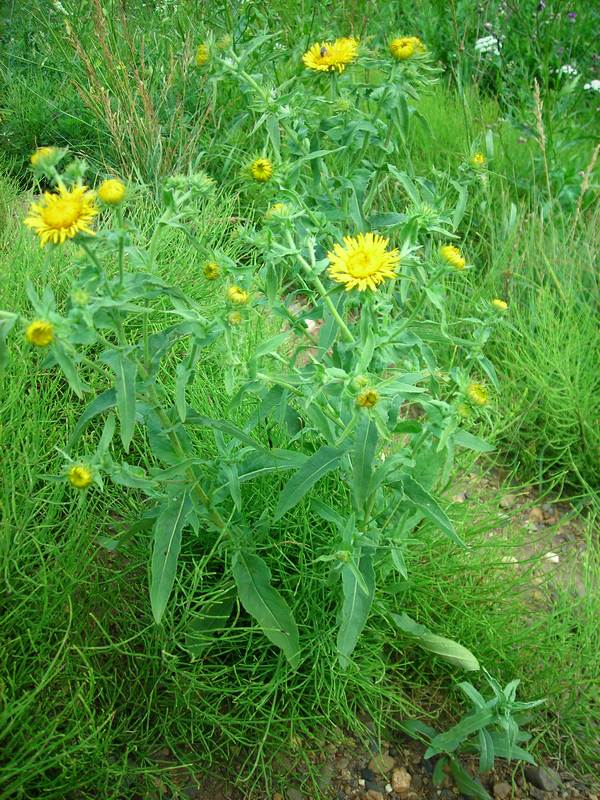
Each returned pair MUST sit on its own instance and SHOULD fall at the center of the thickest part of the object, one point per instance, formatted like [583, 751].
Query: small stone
[509, 560]
[537, 794]
[368, 774]
[388, 788]
[552, 557]
[381, 763]
[508, 500]
[536, 515]
[361, 782]
[543, 778]
[459, 498]
[401, 780]
[502, 790]
[277, 796]
[373, 795]
[293, 794]
[326, 774]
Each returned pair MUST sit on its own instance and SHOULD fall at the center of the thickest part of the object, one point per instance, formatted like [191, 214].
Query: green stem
[322, 291]
[121, 244]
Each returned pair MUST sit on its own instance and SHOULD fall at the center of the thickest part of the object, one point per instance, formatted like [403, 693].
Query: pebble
[536, 515]
[381, 763]
[537, 794]
[293, 794]
[388, 788]
[502, 790]
[326, 774]
[401, 780]
[373, 795]
[508, 500]
[543, 778]
[552, 557]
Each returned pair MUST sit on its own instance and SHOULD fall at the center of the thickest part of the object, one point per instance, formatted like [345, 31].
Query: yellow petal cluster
[331, 56]
[368, 398]
[499, 305]
[211, 270]
[478, 394]
[80, 476]
[202, 55]
[261, 169]
[42, 154]
[111, 191]
[363, 262]
[40, 332]
[406, 46]
[452, 256]
[237, 296]
[62, 215]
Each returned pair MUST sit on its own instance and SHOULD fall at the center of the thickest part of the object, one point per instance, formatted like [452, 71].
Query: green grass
[90, 688]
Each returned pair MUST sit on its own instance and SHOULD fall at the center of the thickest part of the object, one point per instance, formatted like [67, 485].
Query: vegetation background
[90, 688]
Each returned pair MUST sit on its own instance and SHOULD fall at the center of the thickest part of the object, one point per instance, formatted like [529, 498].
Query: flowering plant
[351, 380]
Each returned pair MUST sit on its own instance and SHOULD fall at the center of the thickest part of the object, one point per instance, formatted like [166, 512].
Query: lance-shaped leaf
[224, 426]
[447, 649]
[265, 604]
[365, 445]
[318, 465]
[125, 369]
[167, 544]
[355, 607]
[100, 404]
[429, 506]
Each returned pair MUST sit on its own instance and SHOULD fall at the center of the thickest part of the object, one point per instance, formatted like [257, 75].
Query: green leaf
[125, 369]
[100, 404]
[67, 365]
[486, 751]
[224, 426]
[271, 345]
[265, 604]
[447, 649]
[450, 740]
[365, 445]
[466, 439]
[429, 507]
[318, 465]
[466, 784]
[503, 750]
[355, 607]
[182, 377]
[167, 544]
[7, 322]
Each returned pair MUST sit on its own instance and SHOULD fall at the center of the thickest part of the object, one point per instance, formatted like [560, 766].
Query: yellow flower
[331, 56]
[500, 305]
[235, 318]
[368, 398]
[261, 169]
[363, 262]
[477, 394]
[111, 191]
[40, 332]
[452, 256]
[478, 160]
[202, 54]
[406, 46]
[277, 211]
[237, 296]
[211, 270]
[42, 154]
[63, 215]
[80, 476]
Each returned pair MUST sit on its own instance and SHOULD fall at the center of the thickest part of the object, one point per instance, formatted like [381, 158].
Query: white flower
[488, 44]
[593, 86]
[567, 69]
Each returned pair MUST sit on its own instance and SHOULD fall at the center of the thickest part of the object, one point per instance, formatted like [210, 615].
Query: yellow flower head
[261, 169]
[406, 46]
[237, 296]
[40, 332]
[452, 256]
[478, 160]
[211, 270]
[235, 318]
[499, 305]
[111, 191]
[42, 154]
[277, 211]
[331, 56]
[80, 476]
[367, 398]
[202, 54]
[363, 262]
[62, 215]
[224, 42]
[478, 394]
